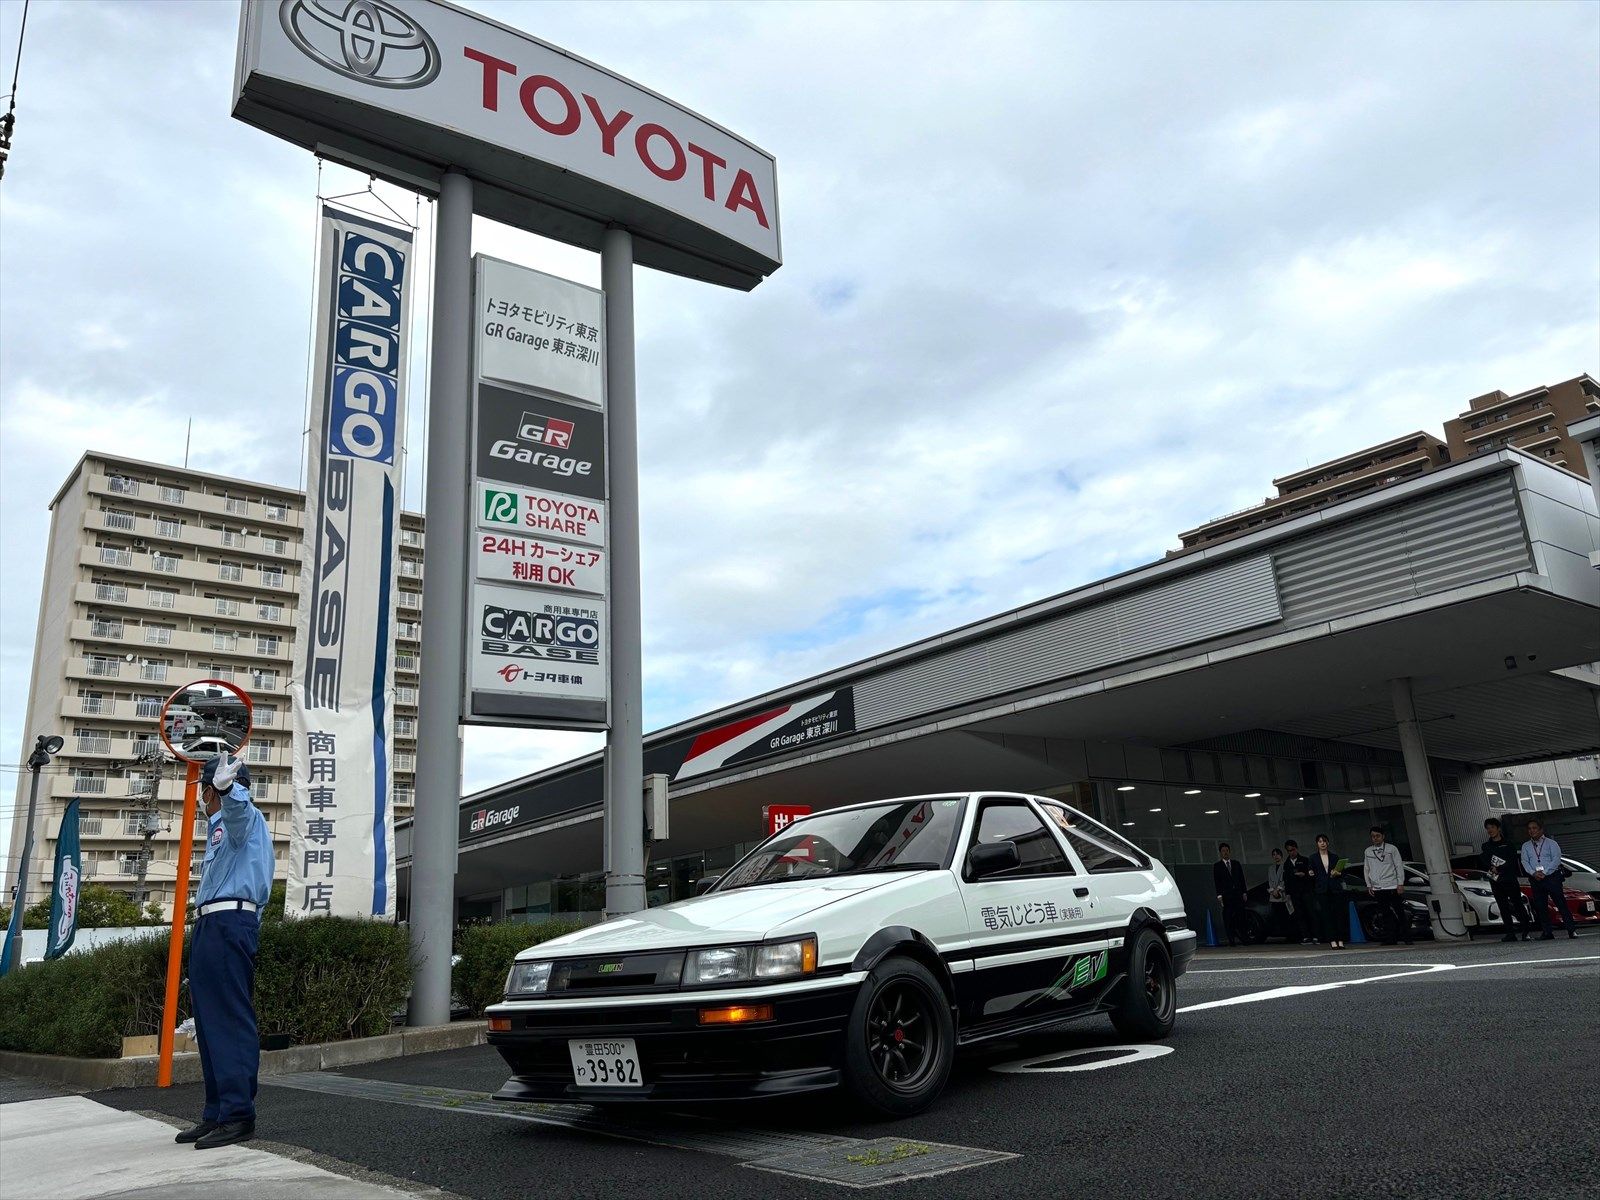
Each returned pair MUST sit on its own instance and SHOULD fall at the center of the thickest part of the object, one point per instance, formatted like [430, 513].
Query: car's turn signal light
[738, 1014]
[500, 1024]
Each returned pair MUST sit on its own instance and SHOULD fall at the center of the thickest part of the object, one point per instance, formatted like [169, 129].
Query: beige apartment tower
[153, 576]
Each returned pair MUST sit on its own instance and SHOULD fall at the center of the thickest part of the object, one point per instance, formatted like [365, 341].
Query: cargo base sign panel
[537, 631]
[538, 655]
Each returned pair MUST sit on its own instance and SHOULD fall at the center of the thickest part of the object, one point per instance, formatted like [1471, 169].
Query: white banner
[341, 843]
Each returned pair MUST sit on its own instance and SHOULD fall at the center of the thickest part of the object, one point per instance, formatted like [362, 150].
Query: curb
[98, 1074]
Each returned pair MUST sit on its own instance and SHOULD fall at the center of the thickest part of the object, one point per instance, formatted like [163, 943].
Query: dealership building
[1273, 685]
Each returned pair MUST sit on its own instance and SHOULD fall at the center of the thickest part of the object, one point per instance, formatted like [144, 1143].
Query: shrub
[479, 979]
[318, 980]
[84, 1004]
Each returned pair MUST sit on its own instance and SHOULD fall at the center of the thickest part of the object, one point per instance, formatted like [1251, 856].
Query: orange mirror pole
[180, 903]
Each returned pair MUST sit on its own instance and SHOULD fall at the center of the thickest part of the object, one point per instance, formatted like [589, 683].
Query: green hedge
[486, 951]
[317, 981]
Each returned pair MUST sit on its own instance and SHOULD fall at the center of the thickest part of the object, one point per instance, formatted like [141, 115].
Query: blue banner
[64, 894]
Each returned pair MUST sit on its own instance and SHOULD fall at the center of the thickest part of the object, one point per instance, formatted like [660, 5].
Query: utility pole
[149, 819]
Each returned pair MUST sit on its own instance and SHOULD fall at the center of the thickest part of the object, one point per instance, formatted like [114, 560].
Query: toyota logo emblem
[371, 41]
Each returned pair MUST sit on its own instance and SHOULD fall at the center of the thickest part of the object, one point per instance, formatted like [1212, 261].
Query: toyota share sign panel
[558, 145]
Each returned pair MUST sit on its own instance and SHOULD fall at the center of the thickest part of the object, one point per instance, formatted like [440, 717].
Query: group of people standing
[1540, 860]
[1306, 891]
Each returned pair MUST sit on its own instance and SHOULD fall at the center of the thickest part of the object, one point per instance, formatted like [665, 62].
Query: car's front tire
[1146, 1001]
[900, 1042]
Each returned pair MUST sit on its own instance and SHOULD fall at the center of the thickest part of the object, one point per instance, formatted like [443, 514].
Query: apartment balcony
[191, 570]
[166, 676]
[189, 502]
[159, 532]
[247, 647]
[276, 613]
[1511, 424]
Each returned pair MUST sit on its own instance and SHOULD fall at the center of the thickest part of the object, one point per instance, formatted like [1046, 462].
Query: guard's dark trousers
[222, 980]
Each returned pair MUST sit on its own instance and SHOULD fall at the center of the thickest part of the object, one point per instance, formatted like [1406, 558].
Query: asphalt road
[1437, 1071]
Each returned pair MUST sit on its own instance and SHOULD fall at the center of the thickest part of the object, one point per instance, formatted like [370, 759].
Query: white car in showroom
[859, 947]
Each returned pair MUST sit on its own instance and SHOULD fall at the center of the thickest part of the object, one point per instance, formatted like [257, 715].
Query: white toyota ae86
[860, 947]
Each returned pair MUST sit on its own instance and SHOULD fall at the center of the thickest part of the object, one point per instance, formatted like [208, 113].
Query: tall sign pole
[433, 96]
[624, 757]
[434, 824]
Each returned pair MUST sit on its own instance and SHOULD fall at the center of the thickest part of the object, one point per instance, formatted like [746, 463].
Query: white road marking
[1045, 1063]
[1282, 993]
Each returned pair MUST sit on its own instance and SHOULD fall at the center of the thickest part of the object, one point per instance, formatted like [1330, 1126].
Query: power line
[8, 123]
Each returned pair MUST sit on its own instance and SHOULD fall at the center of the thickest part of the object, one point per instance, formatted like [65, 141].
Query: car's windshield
[899, 835]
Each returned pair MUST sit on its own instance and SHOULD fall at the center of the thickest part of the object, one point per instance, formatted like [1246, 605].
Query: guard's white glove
[227, 768]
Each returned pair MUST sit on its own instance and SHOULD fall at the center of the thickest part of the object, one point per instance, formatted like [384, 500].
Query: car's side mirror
[991, 858]
[706, 884]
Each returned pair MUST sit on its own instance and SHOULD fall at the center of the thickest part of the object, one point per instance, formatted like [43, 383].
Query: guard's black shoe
[195, 1132]
[1547, 937]
[1572, 933]
[227, 1135]
[1510, 937]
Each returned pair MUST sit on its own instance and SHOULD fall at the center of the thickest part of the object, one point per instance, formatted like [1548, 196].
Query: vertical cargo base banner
[341, 841]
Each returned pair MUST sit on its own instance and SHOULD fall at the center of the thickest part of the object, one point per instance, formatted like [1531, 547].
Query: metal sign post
[624, 756]
[444, 603]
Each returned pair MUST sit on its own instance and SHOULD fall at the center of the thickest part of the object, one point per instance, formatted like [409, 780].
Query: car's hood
[740, 915]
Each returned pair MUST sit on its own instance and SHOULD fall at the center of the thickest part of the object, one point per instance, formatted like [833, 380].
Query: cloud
[1061, 281]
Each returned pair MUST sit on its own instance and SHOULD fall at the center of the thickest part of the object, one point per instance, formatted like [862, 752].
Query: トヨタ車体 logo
[370, 41]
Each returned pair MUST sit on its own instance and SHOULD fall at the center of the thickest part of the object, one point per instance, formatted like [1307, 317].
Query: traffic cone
[1211, 934]
[1357, 938]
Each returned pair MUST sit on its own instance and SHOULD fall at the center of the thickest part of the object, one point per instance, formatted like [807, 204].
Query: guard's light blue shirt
[1541, 854]
[238, 862]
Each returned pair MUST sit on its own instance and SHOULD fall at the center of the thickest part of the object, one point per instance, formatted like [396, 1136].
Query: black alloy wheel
[900, 1041]
[1144, 1005]
[901, 1035]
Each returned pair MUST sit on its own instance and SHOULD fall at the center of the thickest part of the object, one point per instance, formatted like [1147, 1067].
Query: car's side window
[1100, 850]
[1015, 821]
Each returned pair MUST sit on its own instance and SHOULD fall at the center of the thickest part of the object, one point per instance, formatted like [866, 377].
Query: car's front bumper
[799, 1050]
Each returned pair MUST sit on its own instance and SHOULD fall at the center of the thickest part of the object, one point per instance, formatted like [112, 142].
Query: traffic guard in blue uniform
[234, 884]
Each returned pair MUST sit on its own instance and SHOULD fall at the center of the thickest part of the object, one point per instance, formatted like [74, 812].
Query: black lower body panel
[799, 1050]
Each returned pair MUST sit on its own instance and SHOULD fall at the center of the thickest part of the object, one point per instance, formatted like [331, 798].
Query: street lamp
[45, 747]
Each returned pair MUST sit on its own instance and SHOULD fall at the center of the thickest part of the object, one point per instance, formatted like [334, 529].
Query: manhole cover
[877, 1161]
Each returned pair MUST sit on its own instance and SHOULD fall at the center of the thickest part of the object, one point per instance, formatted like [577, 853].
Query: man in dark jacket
[1297, 877]
[1229, 878]
[1500, 860]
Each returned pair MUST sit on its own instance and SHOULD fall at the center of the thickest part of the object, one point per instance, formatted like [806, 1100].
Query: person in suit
[1229, 879]
[1297, 878]
[1327, 894]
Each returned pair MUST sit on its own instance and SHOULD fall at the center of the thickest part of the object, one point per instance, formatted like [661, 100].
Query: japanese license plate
[605, 1062]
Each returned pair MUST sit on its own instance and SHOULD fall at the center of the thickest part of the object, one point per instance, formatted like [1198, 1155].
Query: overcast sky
[1060, 281]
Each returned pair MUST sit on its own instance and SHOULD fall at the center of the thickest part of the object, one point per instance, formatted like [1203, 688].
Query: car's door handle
[1080, 891]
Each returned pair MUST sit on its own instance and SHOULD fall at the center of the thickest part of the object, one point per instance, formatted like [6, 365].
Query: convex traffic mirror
[201, 720]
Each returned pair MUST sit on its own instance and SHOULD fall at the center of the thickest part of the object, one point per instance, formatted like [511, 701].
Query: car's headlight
[720, 964]
[783, 960]
[1477, 891]
[739, 964]
[527, 977]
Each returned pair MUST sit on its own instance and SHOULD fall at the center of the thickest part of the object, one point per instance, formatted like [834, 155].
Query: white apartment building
[155, 576]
